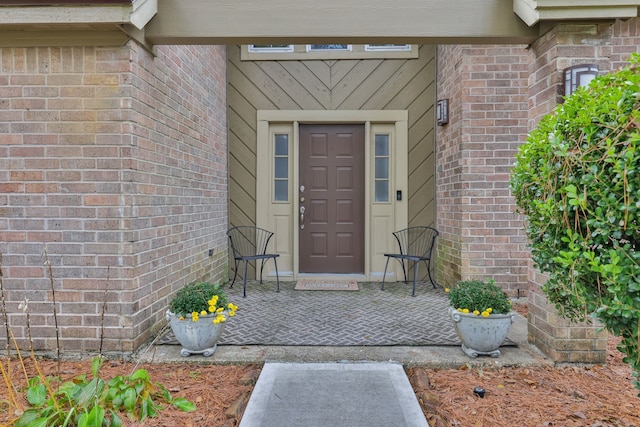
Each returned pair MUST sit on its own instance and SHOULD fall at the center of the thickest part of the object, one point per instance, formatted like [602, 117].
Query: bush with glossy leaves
[577, 181]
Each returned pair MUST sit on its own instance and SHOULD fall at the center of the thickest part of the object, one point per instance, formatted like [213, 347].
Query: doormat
[326, 285]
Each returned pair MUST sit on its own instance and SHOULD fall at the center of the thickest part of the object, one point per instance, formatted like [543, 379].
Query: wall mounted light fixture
[442, 112]
[578, 75]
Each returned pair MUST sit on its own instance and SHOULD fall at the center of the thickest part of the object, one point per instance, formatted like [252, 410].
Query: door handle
[302, 216]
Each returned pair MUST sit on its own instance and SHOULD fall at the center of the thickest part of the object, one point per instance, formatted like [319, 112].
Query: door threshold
[335, 276]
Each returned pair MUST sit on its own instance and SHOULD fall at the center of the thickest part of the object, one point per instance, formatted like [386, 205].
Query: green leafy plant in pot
[197, 315]
[482, 316]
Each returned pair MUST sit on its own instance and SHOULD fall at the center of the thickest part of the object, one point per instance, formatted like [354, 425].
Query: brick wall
[481, 237]
[559, 339]
[448, 167]
[115, 162]
[562, 46]
[625, 40]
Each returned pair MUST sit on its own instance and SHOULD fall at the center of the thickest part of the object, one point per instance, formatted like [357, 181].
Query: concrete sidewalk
[333, 394]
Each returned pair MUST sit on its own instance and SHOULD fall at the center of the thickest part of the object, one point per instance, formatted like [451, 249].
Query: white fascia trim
[534, 11]
[143, 11]
[139, 14]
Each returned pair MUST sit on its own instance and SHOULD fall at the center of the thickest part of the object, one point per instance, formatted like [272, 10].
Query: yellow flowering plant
[200, 299]
[479, 298]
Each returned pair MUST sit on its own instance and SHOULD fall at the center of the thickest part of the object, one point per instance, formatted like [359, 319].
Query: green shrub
[576, 180]
[476, 296]
[87, 402]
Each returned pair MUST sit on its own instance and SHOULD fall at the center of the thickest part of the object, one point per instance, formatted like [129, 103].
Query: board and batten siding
[359, 84]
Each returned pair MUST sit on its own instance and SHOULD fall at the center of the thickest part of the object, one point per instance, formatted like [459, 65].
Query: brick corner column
[564, 45]
[559, 339]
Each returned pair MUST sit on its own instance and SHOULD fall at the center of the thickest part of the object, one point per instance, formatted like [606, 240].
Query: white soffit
[139, 13]
[534, 11]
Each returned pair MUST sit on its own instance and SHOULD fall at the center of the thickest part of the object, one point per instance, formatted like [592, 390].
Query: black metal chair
[416, 244]
[249, 243]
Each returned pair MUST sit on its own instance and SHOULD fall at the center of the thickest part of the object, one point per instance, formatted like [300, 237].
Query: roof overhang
[113, 22]
[73, 22]
[535, 11]
[62, 2]
[343, 21]
[77, 12]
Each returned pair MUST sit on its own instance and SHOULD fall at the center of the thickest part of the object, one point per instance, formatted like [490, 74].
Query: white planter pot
[196, 337]
[481, 335]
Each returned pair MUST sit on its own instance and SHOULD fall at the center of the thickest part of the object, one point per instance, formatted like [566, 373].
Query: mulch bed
[567, 396]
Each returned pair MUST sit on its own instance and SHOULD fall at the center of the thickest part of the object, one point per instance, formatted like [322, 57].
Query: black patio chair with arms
[249, 243]
[416, 244]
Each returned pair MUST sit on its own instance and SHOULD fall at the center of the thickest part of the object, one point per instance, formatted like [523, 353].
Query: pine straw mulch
[594, 396]
[540, 396]
[566, 396]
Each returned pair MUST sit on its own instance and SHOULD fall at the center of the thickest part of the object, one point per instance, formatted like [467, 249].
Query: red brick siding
[117, 161]
[562, 46]
[481, 238]
[625, 40]
[448, 158]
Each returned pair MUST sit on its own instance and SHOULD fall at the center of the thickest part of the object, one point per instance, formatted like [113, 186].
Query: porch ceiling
[155, 22]
[353, 21]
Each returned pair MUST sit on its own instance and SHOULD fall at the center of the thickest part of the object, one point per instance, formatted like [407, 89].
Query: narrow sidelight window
[381, 168]
[281, 168]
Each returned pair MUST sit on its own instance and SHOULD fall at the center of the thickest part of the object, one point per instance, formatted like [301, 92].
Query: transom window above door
[270, 48]
[284, 52]
[328, 47]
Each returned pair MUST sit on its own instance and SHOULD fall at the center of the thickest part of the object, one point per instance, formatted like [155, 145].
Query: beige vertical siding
[366, 84]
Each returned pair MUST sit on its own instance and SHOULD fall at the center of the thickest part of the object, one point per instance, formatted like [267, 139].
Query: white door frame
[381, 219]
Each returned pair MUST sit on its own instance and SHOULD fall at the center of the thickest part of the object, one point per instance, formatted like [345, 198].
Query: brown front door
[331, 196]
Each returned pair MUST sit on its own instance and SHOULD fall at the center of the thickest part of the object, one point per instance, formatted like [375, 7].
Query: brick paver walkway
[339, 318]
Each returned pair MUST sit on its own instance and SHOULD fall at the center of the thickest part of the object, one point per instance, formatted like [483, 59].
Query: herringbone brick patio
[368, 317]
